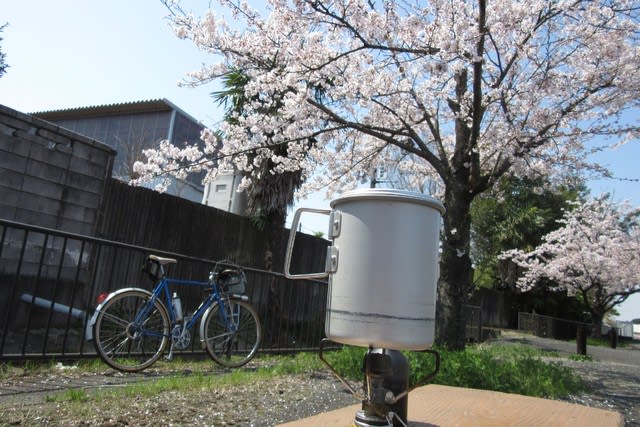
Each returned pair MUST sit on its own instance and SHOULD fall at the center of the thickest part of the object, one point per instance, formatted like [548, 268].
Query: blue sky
[68, 53]
[65, 54]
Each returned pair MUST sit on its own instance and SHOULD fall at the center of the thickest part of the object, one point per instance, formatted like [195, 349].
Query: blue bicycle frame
[162, 289]
[133, 326]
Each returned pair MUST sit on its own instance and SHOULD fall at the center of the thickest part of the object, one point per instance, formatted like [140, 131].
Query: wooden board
[437, 405]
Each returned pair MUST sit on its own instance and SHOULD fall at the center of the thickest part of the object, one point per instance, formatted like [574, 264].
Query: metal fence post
[581, 340]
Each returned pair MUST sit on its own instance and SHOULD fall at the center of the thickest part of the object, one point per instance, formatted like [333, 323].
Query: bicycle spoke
[124, 343]
[232, 335]
[117, 348]
[117, 320]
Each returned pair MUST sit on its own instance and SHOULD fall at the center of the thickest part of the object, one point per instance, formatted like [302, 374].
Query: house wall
[624, 329]
[52, 178]
[223, 194]
[129, 133]
[49, 176]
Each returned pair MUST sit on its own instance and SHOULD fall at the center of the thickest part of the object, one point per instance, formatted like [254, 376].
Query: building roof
[136, 107]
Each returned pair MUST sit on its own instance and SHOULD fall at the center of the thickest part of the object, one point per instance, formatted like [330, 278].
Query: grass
[71, 395]
[526, 374]
[184, 375]
[581, 357]
[507, 368]
[604, 341]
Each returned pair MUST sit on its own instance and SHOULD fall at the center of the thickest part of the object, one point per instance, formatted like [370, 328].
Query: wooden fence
[143, 217]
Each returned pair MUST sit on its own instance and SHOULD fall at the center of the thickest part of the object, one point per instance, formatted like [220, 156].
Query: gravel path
[613, 375]
[614, 386]
[263, 403]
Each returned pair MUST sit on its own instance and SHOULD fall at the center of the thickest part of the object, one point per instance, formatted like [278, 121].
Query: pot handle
[292, 238]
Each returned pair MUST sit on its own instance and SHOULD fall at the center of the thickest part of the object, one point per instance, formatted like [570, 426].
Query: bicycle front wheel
[231, 332]
[130, 333]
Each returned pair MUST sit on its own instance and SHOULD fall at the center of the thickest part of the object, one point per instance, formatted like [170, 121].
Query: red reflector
[100, 298]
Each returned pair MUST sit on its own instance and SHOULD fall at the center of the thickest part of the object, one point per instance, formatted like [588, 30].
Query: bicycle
[132, 326]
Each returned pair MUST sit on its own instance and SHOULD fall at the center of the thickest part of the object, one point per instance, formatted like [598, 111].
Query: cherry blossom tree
[516, 213]
[466, 91]
[594, 255]
[3, 64]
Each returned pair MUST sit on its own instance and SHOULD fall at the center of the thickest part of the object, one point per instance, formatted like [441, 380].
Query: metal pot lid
[388, 194]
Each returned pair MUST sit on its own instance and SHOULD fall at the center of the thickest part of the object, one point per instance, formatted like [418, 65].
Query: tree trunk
[274, 230]
[595, 302]
[455, 281]
[596, 320]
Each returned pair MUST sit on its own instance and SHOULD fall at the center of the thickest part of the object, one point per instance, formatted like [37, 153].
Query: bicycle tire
[234, 345]
[121, 343]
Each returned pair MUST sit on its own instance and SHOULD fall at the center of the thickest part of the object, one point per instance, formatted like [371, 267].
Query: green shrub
[515, 370]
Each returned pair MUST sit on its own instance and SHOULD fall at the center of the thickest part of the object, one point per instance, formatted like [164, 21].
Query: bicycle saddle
[163, 261]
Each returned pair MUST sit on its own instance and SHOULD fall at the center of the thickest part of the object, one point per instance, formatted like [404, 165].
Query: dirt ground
[30, 401]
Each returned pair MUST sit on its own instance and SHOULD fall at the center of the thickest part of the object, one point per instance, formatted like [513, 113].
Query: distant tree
[594, 256]
[517, 213]
[130, 151]
[3, 56]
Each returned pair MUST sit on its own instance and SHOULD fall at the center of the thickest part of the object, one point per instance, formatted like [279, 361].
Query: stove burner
[365, 419]
[386, 386]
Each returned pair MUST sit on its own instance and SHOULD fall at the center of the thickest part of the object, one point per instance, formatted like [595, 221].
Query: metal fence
[549, 327]
[474, 323]
[49, 281]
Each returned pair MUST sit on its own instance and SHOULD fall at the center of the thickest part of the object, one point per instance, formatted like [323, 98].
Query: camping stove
[385, 393]
[382, 270]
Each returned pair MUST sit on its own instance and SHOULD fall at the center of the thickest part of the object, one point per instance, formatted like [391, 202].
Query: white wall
[222, 194]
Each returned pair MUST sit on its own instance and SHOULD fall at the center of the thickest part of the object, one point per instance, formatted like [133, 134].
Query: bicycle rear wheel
[130, 333]
[231, 332]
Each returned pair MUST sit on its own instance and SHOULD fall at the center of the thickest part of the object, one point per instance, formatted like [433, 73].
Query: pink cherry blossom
[594, 255]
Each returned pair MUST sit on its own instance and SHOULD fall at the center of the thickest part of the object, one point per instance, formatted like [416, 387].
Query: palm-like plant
[270, 194]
